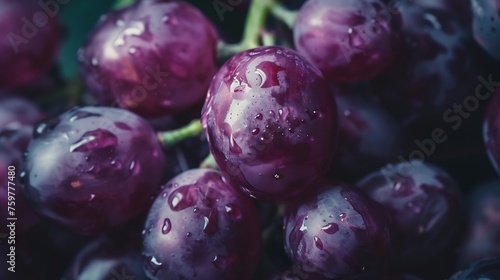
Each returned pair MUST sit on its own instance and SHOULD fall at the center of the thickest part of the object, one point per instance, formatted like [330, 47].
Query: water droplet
[330, 228]
[120, 22]
[132, 50]
[153, 265]
[181, 199]
[210, 222]
[143, 232]
[220, 262]
[318, 243]
[94, 62]
[355, 39]
[342, 216]
[167, 226]
[189, 234]
[165, 18]
[277, 176]
[259, 117]
[255, 131]
[233, 211]
[261, 78]
[92, 196]
[82, 115]
[46, 126]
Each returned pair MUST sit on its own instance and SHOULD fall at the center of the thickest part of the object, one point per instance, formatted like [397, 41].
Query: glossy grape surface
[337, 233]
[426, 210]
[93, 168]
[154, 59]
[349, 41]
[271, 122]
[29, 42]
[369, 137]
[486, 25]
[200, 227]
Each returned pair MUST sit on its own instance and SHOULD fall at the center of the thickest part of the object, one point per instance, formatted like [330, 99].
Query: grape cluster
[252, 140]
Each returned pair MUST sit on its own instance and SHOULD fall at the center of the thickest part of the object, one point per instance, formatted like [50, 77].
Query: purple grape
[201, 227]
[93, 168]
[486, 25]
[270, 119]
[30, 41]
[483, 235]
[488, 269]
[339, 233]
[155, 59]
[349, 41]
[369, 137]
[108, 257]
[17, 118]
[425, 206]
[491, 130]
[435, 69]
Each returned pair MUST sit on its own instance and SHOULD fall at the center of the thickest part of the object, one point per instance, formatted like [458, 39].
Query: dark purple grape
[349, 41]
[486, 25]
[426, 210]
[155, 59]
[107, 258]
[200, 227]
[93, 168]
[436, 68]
[271, 122]
[369, 137]
[491, 130]
[17, 118]
[30, 41]
[483, 235]
[339, 233]
[488, 269]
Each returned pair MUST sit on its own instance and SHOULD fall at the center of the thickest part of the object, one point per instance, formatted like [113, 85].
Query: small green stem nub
[255, 22]
[209, 162]
[285, 15]
[170, 138]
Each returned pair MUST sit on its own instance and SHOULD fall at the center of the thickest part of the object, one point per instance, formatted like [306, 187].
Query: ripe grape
[488, 269]
[483, 208]
[435, 69]
[337, 233]
[491, 131]
[369, 137]
[424, 203]
[271, 123]
[349, 41]
[93, 168]
[201, 227]
[29, 44]
[108, 257]
[155, 59]
[486, 25]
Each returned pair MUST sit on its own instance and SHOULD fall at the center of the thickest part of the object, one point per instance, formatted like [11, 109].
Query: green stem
[285, 15]
[255, 21]
[119, 4]
[170, 138]
[209, 162]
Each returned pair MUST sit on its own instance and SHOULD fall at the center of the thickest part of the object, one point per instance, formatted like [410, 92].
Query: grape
[369, 137]
[155, 59]
[270, 119]
[349, 41]
[484, 224]
[93, 168]
[435, 69]
[17, 118]
[488, 269]
[486, 25]
[339, 233]
[29, 44]
[491, 131]
[425, 205]
[200, 227]
[108, 257]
